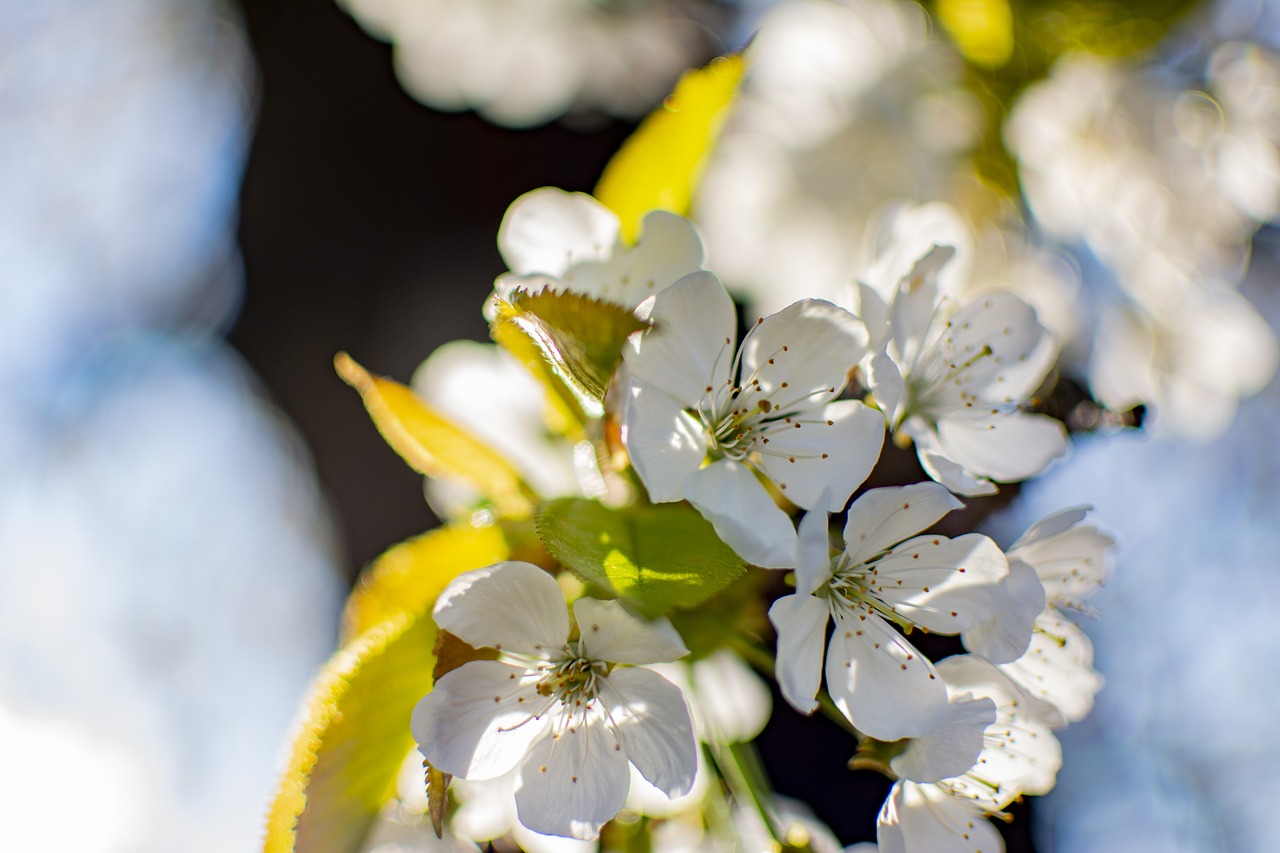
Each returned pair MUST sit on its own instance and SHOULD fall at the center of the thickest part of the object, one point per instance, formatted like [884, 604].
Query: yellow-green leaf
[565, 408]
[580, 338]
[659, 166]
[408, 577]
[434, 445]
[657, 557]
[355, 727]
[354, 736]
[1107, 27]
[982, 29]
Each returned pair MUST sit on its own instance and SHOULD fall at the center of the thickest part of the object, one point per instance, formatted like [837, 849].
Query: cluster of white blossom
[526, 62]
[1143, 186]
[569, 722]
[1165, 182]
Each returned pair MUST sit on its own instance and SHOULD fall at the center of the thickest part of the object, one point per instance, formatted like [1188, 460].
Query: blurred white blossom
[848, 105]
[526, 62]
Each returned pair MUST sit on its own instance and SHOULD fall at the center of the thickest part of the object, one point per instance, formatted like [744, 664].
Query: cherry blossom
[885, 576]
[955, 379]
[567, 715]
[570, 241]
[1003, 735]
[765, 411]
[1071, 559]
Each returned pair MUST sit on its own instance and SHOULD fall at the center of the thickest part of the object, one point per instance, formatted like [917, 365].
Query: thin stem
[745, 781]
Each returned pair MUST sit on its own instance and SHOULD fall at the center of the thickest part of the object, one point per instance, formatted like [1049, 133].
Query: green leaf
[659, 165]
[656, 557]
[409, 576]
[434, 445]
[354, 736]
[354, 732]
[579, 337]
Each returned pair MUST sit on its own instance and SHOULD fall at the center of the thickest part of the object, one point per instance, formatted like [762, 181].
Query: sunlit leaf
[354, 732]
[657, 557]
[408, 577]
[567, 410]
[352, 739]
[580, 337]
[659, 166]
[434, 445]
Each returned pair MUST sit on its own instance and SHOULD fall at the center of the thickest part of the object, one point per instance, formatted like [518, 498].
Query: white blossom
[955, 379]
[847, 105]
[486, 391]
[524, 62]
[570, 241]
[1165, 178]
[560, 712]
[767, 409]
[1004, 736]
[1072, 560]
[885, 575]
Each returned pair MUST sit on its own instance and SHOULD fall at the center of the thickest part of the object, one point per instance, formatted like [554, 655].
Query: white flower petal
[813, 558]
[944, 585]
[884, 378]
[1052, 525]
[728, 495]
[1058, 667]
[547, 230]
[731, 703]
[668, 249]
[1004, 637]
[486, 390]
[1021, 349]
[612, 634]
[649, 800]
[653, 724]
[1022, 755]
[690, 347]
[801, 623]
[915, 303]
[830, 451]
[1005, 447]
[940, 467]
[511, 605]
[665, 444]
[873, 309]
[886, 688]
[1072, 561]
[480, 719]
[573, 781]
[952, 747]
[802, 355]
[926, 818]
[881, 518]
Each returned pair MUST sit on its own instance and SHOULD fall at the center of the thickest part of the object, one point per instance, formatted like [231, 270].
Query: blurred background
[202, 202]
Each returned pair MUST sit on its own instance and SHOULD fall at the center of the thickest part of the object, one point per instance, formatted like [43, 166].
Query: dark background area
[368, 225]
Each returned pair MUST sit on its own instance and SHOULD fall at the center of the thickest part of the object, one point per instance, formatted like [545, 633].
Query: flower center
[852, 591]
[740, 420]
[574, 680]
[940, 383]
